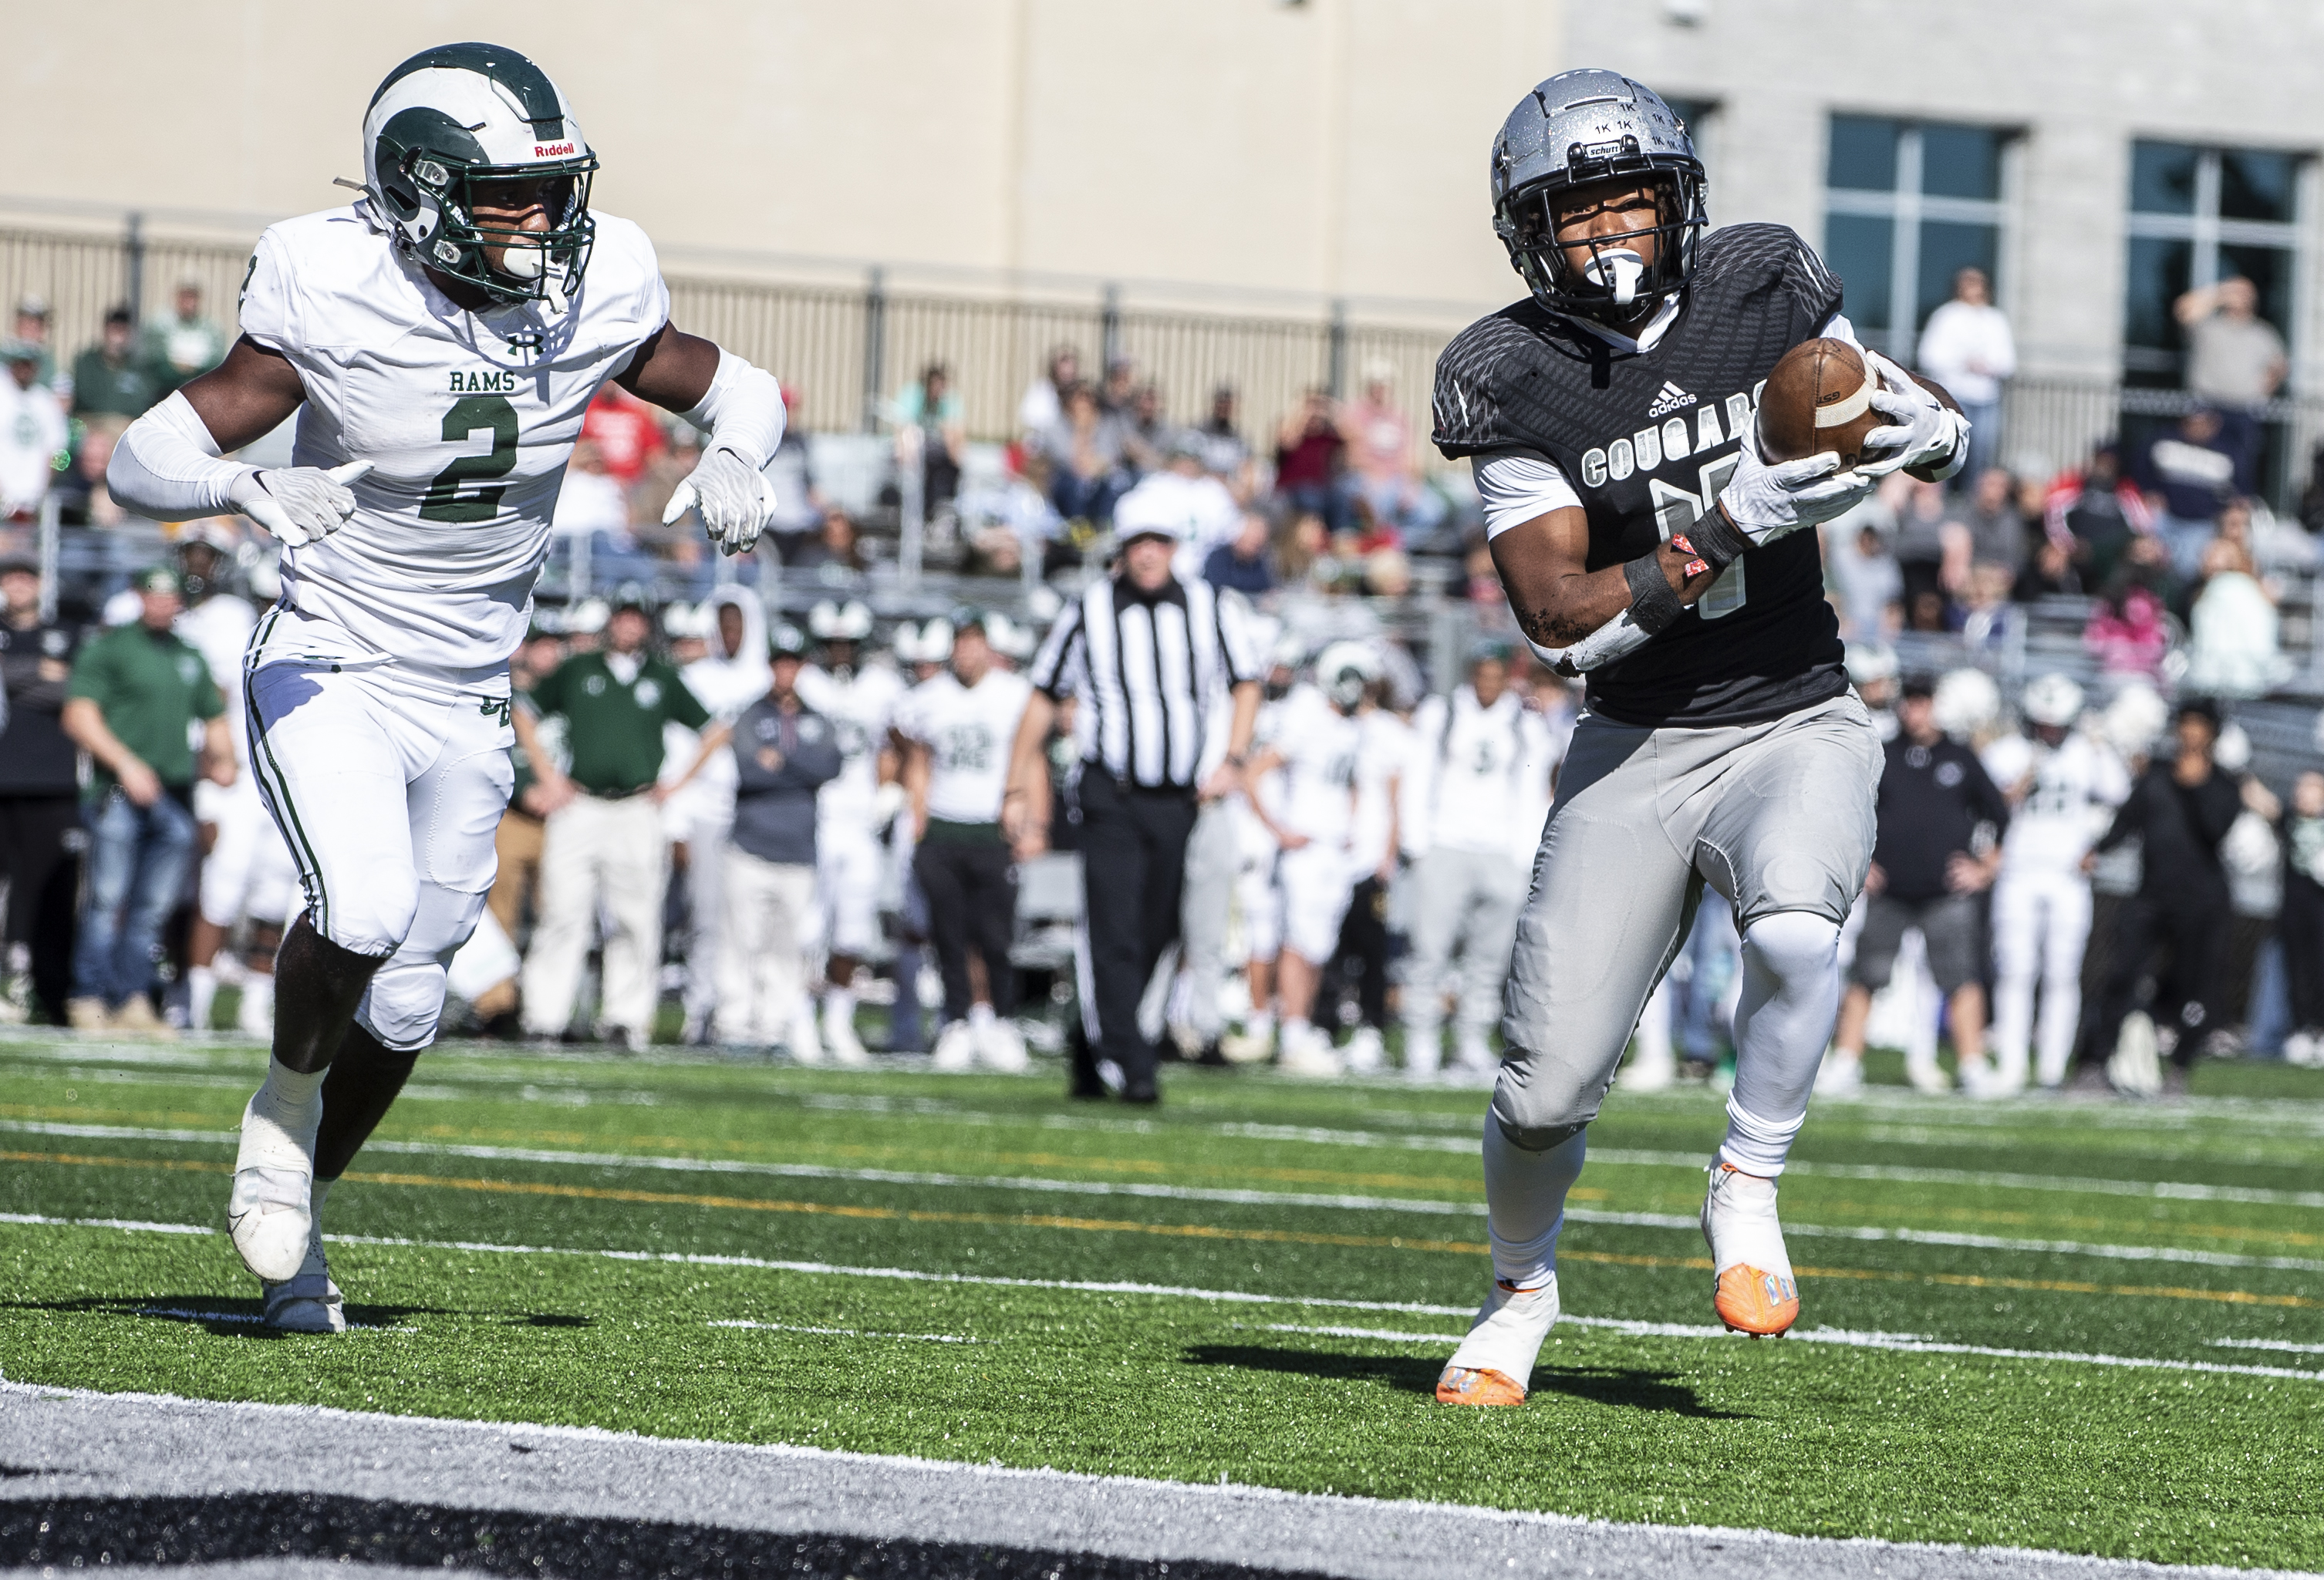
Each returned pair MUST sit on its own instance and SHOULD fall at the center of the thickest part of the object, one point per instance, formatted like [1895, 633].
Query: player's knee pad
[1794, 946]
[1540, 1103]
[404, 1002]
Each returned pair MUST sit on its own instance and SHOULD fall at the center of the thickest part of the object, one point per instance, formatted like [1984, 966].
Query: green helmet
[444, 128]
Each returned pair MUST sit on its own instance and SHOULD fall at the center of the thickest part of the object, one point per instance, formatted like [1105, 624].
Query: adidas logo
[1670, 400]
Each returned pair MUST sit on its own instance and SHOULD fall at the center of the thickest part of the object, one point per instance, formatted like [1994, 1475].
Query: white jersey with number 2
[468, 418]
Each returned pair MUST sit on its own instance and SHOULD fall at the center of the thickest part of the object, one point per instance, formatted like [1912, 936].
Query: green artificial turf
[507, 1178]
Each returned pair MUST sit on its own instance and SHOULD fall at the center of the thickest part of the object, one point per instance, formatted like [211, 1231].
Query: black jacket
[2180, 830]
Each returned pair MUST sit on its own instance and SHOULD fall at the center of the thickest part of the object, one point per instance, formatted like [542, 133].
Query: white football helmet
[2051, 699]
[460, 117]
[833, 623]
[1343, 670]
[2135, 717]
[1966, 702]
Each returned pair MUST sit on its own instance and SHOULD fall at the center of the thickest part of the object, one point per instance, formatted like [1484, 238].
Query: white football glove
[1767, 500]
[299, 504]
[735, 499]
[1924, 435]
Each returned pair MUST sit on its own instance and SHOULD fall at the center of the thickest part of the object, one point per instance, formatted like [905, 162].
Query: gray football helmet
[1576, 128]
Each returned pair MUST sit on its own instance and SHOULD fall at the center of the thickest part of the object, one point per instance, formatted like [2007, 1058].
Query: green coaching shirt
[613, 726]
[151, 687]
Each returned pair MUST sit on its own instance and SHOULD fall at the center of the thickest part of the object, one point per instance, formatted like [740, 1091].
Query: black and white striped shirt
[1153, 671]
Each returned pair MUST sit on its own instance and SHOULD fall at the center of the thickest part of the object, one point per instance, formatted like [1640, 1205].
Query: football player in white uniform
[247, 870]
[733, 674]
[1315, 743]
[2066, 785]
[439, 342]
[860, 700]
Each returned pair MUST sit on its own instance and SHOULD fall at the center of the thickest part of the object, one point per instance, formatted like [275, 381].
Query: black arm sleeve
[2129, 818]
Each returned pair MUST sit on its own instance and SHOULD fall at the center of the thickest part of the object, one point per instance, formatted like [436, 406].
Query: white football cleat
[307, 1301]
[803, 1041]
[839, 1036]
[956, 1048]
[1755, 1292]
[1473, 1055]
[1841, 1075]
[1926, 1074]
[1650, 1072]
[1309, 1054]
[1494, 1365]
[1001, 1046]
[1365, 1053]
[269, 1209]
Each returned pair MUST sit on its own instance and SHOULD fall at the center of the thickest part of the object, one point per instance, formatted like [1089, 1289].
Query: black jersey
[1648, 439]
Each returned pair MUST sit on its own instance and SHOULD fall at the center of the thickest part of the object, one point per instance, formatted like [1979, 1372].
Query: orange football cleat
[1755, 1292]
[1476, 1386]
[1761, 1304]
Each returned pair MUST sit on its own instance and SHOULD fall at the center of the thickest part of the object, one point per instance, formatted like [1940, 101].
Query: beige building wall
[1267, 154]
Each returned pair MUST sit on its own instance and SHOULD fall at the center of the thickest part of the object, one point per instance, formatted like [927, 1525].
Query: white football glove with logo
[1926, 435]
[299, 505]
[1767, 500]
[735, 499]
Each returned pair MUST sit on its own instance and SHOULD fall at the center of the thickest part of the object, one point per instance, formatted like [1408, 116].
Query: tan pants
[761, 966]
[516, 846]
[605, 858]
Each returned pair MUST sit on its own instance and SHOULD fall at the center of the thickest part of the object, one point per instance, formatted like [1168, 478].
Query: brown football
[1818, 399]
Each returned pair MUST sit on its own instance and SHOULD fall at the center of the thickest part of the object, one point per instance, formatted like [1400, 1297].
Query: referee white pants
[608, 858]
[1468, 899]
[761, 952]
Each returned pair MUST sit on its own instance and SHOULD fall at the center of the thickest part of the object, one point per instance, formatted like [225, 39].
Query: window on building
[1907, 205]
[2196, 216]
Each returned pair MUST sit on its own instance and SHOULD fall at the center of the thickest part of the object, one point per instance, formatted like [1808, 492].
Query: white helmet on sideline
[1966, 701]
[2051, 699]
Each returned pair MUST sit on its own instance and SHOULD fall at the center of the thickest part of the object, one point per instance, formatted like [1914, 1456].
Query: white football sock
[202, 993]
[839, 1006]
[1525, 1198]
[1295, 1029]
[257, 1001]
[278, 1130]
[1791, 996]
[980, 1016]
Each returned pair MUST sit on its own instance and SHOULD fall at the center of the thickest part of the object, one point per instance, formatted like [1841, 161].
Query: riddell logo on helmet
[551, 149]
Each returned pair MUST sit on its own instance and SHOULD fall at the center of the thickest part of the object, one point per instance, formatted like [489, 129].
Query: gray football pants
[1213, 859]
[1776, 815]
[1467, 899]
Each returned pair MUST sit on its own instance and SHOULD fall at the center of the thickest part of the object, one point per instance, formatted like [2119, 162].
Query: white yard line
[1230, 1196]
[846, 1332]
[1912, 1343]
[2268, 1344]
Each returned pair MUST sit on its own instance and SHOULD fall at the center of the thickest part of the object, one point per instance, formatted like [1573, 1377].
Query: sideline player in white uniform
[1646, 541]
[1315, 744]
[2065, 784]
[439, 341]
[1478, 788]
[248, 871]
[733, 674]
[860, 700]
[959, 727]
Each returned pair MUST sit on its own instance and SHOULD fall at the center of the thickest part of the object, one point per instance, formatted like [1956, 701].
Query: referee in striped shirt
[1166, 686]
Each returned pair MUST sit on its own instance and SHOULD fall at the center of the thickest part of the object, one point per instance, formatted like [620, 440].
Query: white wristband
[167, 466]
[742, 412]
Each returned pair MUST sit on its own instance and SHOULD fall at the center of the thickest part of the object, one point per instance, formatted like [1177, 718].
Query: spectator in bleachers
[1119, 389]
[2189, 474]
[2100, 511]
[138, 698]
[1085, 448]
[31, 327]
[2050, 573]
[1226, 455]
[1381, 466]
[680, 542]
[111, 384]
[1241, 563]
[1967, 347]
[798, 508]
[1043, 403]
[835, 557]
[1310, 456]
[1146, 438]
[32, 434]
[625, 433]
[2232, 647]
[1867, 588]
[932, 431]
[2235, 363]
[2311, 494]
[1932, 557]
[185, 344]
[1997, 532]
[40, 799]
[2129, 631]
[1010, 517]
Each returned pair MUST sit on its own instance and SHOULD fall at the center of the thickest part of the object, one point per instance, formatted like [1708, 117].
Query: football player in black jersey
[1646, 546]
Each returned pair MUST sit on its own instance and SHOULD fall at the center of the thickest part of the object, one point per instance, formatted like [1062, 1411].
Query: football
[1818, 397]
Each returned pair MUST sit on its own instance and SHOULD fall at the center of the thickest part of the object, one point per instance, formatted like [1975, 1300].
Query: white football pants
[705, 891]
[388, 789]
[1469, 899]
[248, 871]
[2041, 927]
[761, 954]
[607, 859]
[1213, 853]
[851, 874]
